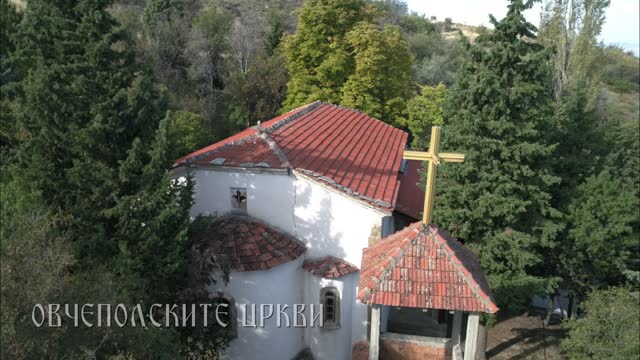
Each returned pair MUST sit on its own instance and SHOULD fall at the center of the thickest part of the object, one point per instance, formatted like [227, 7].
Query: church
[320, 206]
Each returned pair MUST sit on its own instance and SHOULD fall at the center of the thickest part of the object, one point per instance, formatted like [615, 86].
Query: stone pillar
[457, 327]
[374, 338]
[471, 342]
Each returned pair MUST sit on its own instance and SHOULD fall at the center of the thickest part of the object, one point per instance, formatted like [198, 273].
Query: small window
[330, 301]
[239, 199]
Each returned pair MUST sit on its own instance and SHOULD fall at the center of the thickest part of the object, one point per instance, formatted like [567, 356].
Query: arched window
[330, 302]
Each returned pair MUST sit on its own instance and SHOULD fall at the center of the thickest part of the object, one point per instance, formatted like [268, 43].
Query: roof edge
[481, 296]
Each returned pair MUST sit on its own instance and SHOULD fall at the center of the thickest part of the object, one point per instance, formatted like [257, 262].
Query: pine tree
[497, 114]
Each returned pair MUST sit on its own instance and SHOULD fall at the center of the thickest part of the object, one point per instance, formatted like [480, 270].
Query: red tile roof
[246, 244]
[329, 267]
[424, 267]
[340, 147]
[411, 194]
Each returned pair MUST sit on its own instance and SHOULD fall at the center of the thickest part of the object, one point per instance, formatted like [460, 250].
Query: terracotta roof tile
[340, 147]
[246, 244]
[423, 266]
[329, 267]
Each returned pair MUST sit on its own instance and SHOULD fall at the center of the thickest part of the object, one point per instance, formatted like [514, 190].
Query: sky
[621, 27]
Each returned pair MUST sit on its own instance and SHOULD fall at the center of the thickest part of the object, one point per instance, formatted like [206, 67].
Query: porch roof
[422, 266]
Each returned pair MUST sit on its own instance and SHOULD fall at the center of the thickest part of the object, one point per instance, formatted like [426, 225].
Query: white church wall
[279, 285]
[327, 221]
[269, 195]
[331, 223]
[331, 343]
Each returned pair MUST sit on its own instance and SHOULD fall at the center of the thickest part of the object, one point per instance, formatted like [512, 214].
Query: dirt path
[523, 337]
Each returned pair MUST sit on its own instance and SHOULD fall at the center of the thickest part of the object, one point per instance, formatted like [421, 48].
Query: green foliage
[621, 70]
[360, 66]
[257, 94]
[97, 154]
[187, 133]
[277, 27]
[571, 28]
[497, 114]
[380, 84]
[603, 232]
[318, 56]
[9, 74]
[513, 292]
[426, 110]
[609, 329]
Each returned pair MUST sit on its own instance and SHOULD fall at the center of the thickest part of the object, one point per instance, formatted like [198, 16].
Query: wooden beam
[374, 338]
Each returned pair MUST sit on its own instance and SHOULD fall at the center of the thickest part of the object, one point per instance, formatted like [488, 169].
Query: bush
[610, 328]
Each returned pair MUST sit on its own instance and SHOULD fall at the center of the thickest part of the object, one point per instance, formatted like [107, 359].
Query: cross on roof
[434, 157]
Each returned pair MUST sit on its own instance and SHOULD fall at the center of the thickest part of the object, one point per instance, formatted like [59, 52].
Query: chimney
[258, 128]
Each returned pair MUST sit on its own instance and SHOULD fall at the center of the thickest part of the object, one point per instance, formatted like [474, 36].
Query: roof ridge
[476, 289]
[239, 141]
[305, 110]
[273, 145]
[391, 261]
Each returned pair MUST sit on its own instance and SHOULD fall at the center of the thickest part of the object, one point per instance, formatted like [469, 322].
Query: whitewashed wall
[269, 196]
[332, 343]
[279, 285]
[331, 223]
[328, 222]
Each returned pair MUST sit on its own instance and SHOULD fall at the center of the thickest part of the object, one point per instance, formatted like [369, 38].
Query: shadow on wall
[313, 222]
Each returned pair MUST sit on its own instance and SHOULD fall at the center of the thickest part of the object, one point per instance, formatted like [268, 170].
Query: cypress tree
[95, 143]
[499, 199]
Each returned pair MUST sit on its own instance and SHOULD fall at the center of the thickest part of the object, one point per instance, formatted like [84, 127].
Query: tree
[9, 74]
[571, 28]
[603, 232]
[318, 56]
[187, 133]
[380, 84]
[276, 28]
[609, 329]
[95, 141]
[207, 46]
[497, 114]
[424, 111]
[256, 95]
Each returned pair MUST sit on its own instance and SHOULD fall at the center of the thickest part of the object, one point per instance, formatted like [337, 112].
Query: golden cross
[434, 158]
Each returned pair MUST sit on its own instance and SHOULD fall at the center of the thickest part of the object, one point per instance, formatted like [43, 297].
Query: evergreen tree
[92, 118]
[9, 74]
[498, 200]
